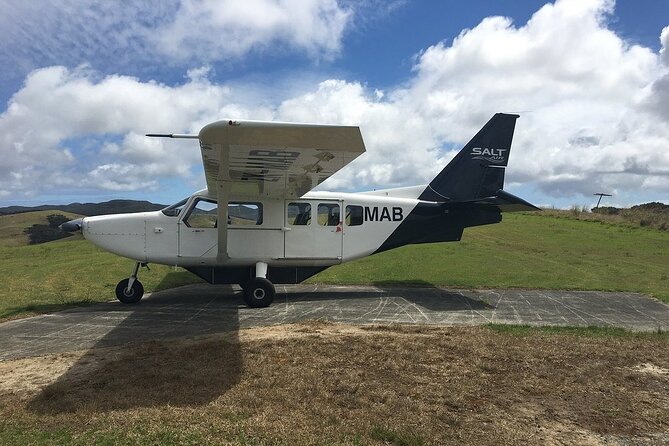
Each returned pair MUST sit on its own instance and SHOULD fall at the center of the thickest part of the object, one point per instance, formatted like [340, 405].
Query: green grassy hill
[12, 226]
[527, 251]
[107, 207]
[524, 251]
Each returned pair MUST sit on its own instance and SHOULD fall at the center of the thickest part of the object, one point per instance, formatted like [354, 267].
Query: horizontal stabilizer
[506, 202]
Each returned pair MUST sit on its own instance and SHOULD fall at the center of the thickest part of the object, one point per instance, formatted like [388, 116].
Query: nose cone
[72, 225]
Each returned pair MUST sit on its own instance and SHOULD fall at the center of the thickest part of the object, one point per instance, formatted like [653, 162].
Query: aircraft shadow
[136, 365]
[149, 370]
[419, 293]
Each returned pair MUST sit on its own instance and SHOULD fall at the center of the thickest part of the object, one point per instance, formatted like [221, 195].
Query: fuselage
[317, 230]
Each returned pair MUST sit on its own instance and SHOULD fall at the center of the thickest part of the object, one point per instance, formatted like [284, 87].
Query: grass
[526, 251]
[650, 215]
[320, 383]
[592, 331]
[56, 275]
[389, 436]
[317, 383]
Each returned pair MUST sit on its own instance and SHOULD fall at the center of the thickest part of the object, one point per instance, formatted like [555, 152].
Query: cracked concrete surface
[201, 309]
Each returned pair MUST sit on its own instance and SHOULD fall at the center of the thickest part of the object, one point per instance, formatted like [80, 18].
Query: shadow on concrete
[419, 293]
[149, 370]
[138, 362]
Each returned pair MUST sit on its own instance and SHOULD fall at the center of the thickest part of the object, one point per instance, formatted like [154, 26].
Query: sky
[83, 81]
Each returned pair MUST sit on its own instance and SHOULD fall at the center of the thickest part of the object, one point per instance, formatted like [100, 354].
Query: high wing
[283, 160]
[254, 158]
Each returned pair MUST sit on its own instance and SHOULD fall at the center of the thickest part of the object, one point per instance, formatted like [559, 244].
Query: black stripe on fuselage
[439, 222]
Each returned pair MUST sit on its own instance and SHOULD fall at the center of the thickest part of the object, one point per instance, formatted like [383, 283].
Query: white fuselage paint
[157, 238]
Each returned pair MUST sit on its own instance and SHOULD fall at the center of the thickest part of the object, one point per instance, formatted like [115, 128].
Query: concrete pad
[196, 310]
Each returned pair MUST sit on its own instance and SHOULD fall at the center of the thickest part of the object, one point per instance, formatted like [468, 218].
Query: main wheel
[132, 295]
[259, 292]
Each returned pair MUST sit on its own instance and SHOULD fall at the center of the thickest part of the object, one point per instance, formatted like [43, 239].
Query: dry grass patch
[320, 383]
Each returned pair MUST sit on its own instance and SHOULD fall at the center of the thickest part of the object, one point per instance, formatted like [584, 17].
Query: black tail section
[478, 170]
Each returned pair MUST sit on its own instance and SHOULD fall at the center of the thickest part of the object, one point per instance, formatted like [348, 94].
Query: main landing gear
[259, 292]
[131, 290]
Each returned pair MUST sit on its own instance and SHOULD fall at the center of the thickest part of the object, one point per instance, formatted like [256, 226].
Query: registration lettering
[374, 213]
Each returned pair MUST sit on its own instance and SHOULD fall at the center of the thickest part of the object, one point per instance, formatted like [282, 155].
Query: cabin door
[313, 229]
[198, 233]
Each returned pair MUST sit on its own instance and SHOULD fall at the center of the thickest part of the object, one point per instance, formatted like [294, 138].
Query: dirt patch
[652, 369]
[330, 383]
[30, 375]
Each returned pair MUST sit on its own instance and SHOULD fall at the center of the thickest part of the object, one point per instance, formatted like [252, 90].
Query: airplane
[259, 223]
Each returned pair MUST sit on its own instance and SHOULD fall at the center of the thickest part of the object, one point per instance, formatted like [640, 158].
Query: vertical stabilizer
[477, 171]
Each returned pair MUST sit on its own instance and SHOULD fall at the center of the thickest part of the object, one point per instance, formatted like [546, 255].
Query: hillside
[12, 227]
[14, 220]
[88, 209]
[651, 215]
[530, 250]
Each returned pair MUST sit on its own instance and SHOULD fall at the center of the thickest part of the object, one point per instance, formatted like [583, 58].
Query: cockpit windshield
[175, 209]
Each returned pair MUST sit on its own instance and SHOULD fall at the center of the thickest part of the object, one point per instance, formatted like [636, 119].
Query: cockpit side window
[203, 214]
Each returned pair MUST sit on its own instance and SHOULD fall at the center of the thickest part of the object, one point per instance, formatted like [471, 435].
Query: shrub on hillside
[606, 210]
[39, 233]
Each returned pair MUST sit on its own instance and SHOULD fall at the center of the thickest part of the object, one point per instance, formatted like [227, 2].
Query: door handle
[285, 229]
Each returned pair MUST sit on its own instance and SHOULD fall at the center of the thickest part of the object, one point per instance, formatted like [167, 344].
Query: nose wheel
[130, 290]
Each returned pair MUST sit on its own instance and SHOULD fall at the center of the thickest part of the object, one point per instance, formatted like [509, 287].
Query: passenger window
[243, 214]
[298, 214]
[203, 215]
[328, 214]
[353, 215]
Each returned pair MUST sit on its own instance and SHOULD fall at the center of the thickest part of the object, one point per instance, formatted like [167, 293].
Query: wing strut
[223, 197]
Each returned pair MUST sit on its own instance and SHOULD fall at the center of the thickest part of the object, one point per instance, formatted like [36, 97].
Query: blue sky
[84, 80]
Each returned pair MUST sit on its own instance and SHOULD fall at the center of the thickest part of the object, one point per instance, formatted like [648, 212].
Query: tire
[259, 293]
[132, 296]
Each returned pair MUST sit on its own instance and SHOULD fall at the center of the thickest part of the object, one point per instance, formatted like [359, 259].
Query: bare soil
[321, 383]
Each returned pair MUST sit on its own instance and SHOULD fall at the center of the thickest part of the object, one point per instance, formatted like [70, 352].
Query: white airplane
[258, 222]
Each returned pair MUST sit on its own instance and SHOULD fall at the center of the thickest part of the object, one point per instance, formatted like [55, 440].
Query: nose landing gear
[131, 290]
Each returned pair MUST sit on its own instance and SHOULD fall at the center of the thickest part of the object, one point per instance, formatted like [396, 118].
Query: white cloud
[593, 113]
[120, 177]
[39, 33]
[57, 106]
[143, 36]
[593, 107]
[664, 39]
[214, 29]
